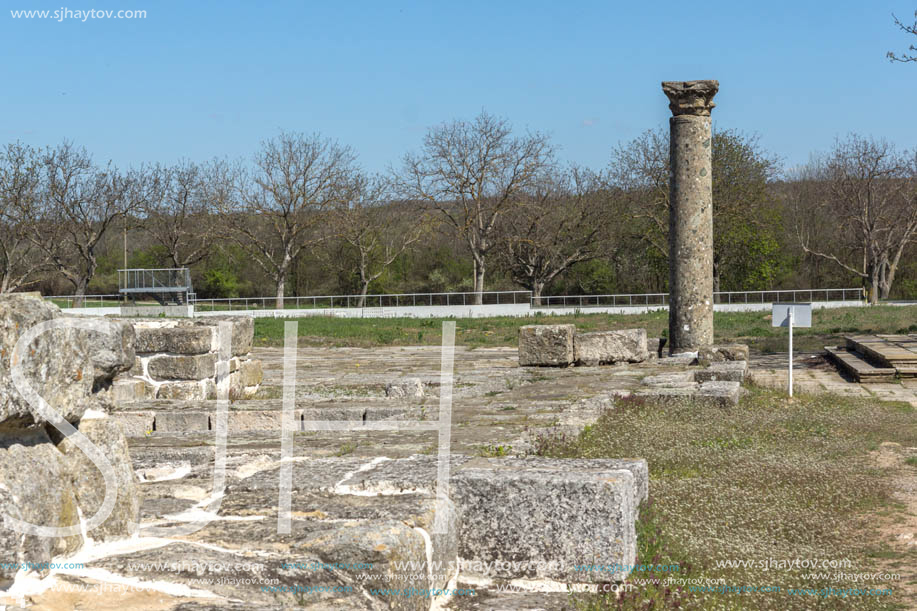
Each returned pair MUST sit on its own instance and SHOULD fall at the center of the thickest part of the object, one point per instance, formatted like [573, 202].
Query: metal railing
[171, 279]
[372, 301]
[88, 301]
[378, 301]
[721, 297]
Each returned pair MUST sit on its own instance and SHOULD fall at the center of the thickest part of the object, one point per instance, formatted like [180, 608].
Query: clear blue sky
[204, 79]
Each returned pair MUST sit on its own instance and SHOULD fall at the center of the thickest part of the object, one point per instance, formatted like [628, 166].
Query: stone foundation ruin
[176, 359]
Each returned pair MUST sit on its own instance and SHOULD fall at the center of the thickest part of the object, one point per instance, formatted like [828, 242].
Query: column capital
[691, 97]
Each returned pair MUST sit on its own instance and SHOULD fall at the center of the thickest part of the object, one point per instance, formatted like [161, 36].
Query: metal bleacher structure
[167, 286]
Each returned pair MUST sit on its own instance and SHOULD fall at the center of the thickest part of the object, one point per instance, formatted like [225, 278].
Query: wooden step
[862, 370]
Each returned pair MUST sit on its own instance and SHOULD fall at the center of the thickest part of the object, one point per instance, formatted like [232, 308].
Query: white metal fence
[468, 298]
[730, 297]
[393, 300]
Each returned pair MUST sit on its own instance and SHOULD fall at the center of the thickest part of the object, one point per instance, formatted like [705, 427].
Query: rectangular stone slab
[175, 340]
[197, 367]
[546, 345]
[546, 521]
[607, 347]
[724, 371]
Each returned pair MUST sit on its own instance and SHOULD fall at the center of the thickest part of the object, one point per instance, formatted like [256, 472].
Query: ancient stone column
[690, 215]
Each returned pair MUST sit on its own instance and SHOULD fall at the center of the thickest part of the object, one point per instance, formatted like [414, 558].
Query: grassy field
[775, 479]
[754, 328]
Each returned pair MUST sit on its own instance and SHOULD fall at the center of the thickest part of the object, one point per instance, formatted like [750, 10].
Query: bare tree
[869, 192]
[911, 54]
[81, 203]
[296, 181]
[564, 221]
[179, 212]
[376, 229]
[20, 183]
[640, 169]
[744, 219]
[473, 172]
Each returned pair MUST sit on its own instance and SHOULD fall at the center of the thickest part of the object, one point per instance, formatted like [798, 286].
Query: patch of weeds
[549, 442]
[346, 449]
[494, 451]
[771, 478]
[492, 393]
[911, 461]
[724, 443]
[386, 336]
[269, 392]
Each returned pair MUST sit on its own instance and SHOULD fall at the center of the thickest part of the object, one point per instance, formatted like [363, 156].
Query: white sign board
[802, 314]
[791, 315]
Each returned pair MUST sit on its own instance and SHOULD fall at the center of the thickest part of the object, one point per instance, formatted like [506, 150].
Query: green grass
[772, 479]
[754, 328]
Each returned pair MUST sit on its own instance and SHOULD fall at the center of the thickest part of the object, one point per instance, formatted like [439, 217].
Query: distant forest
[476, 207]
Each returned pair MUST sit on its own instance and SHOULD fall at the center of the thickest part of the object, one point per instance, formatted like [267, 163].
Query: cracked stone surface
[361, 495]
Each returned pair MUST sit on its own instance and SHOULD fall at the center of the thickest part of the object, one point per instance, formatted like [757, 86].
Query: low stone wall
[177, 359]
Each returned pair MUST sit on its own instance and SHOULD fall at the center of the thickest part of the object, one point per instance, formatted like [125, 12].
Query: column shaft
[690, 215]
[690, 234]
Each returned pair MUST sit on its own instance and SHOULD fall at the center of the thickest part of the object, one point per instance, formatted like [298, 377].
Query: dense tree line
[477, 207]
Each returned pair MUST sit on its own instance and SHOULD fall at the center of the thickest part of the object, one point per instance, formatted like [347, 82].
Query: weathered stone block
[725, 371]
[126, 390]
[607, 347]
[168, 367]
[724, 394]
[89, 484]
[676, 379]
[135, 424]
[251, 373]
[409, 387]
[546, 520]
[733, 352]
[57, 363]
[243, 331]
[546, 345]
[34, 487]
[174, 340]
[112, 353]
[137, 369]
[188, 391]
[182, 422]
[382, 543]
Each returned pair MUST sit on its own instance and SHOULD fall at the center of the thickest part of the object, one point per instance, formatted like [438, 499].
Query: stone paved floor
[496, 404]
[812, 374]
[498, 407]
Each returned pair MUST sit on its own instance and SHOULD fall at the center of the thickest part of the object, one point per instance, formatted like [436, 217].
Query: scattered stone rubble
[720, 383]
[718, 378]
[410, 387]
